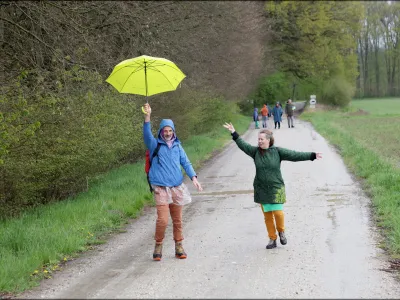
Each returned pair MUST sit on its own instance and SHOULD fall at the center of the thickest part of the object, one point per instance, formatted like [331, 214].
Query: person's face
[290, 101]
[263, 142]
[168, 133]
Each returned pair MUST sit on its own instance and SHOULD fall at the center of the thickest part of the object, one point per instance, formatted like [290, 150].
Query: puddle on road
[220, 176]
[332, 216]
[322, 189]
[251, 207]
[212, 199]
[335, 200]
[238, 192]
[334, 195]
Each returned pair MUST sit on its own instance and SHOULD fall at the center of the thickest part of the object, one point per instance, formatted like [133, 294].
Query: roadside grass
[369, 144]
[39, 242]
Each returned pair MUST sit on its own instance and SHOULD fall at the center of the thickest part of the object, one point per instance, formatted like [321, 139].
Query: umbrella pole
[145, 79]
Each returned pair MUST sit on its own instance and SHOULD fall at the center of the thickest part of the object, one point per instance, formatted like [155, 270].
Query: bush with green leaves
[337, 91]
[273, 88]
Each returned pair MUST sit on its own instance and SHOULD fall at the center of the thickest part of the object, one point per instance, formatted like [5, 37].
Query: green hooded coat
[269, 187]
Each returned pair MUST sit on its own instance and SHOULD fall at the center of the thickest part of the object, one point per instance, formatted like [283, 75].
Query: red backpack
[147, 164]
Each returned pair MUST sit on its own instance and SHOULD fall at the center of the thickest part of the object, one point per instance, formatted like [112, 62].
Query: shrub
[337, 91]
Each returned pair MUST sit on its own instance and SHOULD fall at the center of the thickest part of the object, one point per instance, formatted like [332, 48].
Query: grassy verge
[369, 147]
[35, 245]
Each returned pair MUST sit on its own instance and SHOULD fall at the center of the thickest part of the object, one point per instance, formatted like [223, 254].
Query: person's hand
[230, 127]
[197, 184]
[147, 109]
[318, 155]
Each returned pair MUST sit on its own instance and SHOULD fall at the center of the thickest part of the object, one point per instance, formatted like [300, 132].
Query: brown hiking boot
[179, 252]
[157, 254]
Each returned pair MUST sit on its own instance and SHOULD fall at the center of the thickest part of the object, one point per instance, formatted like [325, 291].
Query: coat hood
[163, 123]
[166, 122]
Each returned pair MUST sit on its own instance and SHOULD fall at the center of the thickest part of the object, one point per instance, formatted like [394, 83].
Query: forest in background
[336, 50]
[378, 50]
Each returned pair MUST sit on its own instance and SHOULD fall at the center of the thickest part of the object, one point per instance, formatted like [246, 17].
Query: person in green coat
[269, 187]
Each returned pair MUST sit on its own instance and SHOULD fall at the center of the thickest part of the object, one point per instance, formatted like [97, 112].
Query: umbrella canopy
[145, 75]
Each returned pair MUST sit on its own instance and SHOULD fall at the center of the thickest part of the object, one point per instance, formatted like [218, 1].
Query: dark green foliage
[337, 91]
[273, 88]
[80, 134]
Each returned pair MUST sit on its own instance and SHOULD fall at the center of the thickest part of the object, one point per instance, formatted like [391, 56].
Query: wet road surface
[332, 249]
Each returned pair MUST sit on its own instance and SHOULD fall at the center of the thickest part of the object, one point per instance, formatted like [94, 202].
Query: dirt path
[331, 252]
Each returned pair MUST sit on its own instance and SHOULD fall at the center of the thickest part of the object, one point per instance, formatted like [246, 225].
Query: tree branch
[28, 32]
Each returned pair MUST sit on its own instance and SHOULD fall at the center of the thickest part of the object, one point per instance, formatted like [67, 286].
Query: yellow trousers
[269, 222]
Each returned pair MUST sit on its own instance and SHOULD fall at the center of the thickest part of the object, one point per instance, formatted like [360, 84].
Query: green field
[367, 136]
[379, 130]
[378, 107]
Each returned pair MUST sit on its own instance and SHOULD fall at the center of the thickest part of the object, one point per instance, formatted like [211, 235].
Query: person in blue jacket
[166, 179]
[255, 117]
[277, 113]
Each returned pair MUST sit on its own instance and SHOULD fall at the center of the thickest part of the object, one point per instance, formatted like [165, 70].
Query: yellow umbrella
[145, 75]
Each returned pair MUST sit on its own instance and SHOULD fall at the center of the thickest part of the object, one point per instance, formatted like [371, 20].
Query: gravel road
[332, 249]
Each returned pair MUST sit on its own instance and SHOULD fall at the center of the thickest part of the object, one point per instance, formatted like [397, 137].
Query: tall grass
[361, 146]
[35, 244]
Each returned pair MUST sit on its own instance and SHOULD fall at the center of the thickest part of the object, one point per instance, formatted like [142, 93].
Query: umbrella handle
[147, 101]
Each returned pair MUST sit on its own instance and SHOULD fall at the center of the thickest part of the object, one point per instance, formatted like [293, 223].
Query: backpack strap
[155, 152]
[154, 155]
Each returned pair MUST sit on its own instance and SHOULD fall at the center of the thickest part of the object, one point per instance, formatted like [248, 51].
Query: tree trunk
[359, 93]
[366, 43]
[377, 77]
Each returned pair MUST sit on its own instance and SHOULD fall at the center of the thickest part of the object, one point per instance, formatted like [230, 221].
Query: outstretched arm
[290, 155]
[149, 140]
[245, 147]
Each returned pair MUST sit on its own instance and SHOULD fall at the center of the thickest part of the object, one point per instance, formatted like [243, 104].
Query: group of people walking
[171, 194]
[276, 113]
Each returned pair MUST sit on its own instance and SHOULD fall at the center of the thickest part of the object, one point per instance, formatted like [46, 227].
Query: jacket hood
[163, 123]
[166, 122]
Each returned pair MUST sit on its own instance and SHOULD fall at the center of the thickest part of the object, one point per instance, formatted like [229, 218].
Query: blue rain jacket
[166, 166]
[277, 113]
[255, 114]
